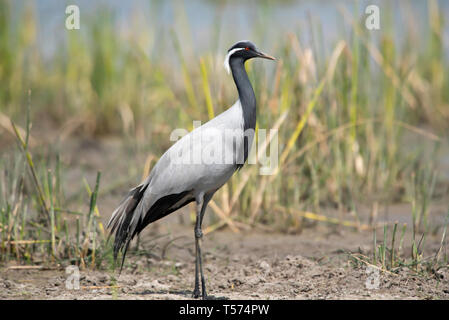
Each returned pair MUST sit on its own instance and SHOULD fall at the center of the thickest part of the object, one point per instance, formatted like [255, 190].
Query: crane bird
[221, 145]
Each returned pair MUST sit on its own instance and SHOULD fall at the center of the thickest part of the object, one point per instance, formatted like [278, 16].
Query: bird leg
[201, 205]
[199, 266]
[198, 262]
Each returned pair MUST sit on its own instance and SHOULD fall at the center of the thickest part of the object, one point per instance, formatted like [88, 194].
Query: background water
[203, 24]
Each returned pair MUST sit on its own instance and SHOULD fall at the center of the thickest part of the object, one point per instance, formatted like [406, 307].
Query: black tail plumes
[121, 219]
[130, 219]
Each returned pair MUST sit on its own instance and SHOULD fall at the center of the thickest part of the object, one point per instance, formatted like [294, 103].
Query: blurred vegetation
[356, 122]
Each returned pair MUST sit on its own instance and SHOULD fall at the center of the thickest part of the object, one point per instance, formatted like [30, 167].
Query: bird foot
[196, 293]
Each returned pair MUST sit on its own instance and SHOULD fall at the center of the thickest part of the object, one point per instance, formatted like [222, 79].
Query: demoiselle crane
[194, 167]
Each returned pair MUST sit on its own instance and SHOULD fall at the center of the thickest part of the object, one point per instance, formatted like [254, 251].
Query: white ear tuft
[228, 56]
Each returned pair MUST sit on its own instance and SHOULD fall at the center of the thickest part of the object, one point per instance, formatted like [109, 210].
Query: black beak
[265, 56]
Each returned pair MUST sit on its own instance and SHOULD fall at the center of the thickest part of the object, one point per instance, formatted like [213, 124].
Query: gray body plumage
[184, 169]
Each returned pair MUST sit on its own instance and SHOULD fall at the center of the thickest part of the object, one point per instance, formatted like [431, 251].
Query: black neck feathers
[246, 92]
[248, 102]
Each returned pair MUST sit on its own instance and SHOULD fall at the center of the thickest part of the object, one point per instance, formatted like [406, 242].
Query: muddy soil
[237, 266]
[316, 263]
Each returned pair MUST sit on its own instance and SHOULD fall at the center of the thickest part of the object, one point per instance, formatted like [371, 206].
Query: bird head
[244, 50]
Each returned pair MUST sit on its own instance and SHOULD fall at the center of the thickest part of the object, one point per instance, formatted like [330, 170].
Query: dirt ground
[314, 264]
[237, 266]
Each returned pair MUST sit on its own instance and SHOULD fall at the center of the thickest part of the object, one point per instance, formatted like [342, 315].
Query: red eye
[246, 48]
